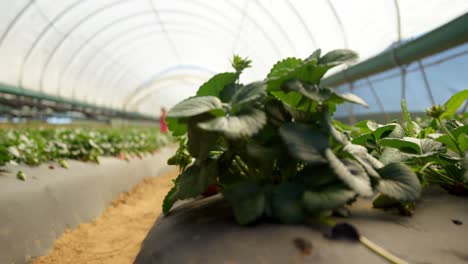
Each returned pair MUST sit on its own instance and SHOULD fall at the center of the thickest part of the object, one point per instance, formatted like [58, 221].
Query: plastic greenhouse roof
[141, 55]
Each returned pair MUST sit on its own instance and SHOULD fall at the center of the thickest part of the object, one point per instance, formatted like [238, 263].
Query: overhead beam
[447, 36]
[8, 89]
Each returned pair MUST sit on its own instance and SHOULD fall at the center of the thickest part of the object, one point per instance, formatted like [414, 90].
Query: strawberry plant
[273, 148]
[34, 146]
[435, 148]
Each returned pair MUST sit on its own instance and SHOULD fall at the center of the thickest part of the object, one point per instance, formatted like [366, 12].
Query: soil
[116, 236]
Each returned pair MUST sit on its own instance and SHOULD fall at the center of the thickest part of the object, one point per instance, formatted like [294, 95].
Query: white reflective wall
[145, 54]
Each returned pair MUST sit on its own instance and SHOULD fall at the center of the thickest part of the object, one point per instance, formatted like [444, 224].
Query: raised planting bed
[205, 231]
[275, 153]
[36, 211]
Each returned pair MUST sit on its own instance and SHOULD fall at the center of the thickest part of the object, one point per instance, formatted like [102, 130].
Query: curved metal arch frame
[271, 18]
[70, 33]
[121, 75]
[141, 101]
[224, 28]
[119, 51]
[125, 52]
[168, 37]
[79, 75]
[15, 20]
[211, 22]
[117, 38]
[87, 42]
[161, 73]
[64, 70]
[177, 78]
[82, 21]
[299, 16]
[117, 81]
[57, 47]
[264, 33]
[303, 23]
[114, 78]
[50, 25]
[278, 25]
[340, 23]
[163, 87]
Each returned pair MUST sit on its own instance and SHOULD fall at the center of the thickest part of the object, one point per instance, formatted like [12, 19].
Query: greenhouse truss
[129, 58]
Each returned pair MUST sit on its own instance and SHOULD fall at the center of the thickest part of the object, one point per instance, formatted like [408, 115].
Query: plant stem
[241, 166]
[460, 152]
[369, 244]
[381, 251]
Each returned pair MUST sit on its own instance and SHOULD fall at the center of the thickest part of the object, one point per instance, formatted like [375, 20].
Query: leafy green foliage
[452, 105]
[34, 146]
[239, 64]
[399, 182]
[435, 149]
[215, 85]
[273, 148]
[247, 199]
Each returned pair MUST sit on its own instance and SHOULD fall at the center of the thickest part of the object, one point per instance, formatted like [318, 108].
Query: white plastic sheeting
[144, 54]
[444, 72]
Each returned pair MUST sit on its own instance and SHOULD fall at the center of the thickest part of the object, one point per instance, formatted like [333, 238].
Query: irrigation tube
[449, 35]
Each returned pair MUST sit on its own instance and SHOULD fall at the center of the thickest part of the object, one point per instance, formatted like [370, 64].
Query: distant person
[162, 121]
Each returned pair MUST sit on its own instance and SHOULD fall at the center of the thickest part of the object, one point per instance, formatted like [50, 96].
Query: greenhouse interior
[248, 131]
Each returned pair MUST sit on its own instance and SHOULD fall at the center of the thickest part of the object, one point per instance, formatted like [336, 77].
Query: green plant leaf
[463, 141]
[276, 112]
[364, 140]
[310, 91]
[286, 203]
[304, 142]
[195, 106]
[280, 72]
[337, 57]
[339, 98]
[245, 123]
[407, 117]
[315, 55]
[253, 93]
[367, 126]
[454, 103]
[317, 177]
[391, 155]
[247, 200]
[367, 161]
[177, 128]
[327, 199]
[431, 146]
[304, 70]
[398, 131]
[200, 142]
[399, 182]
[20, 175]
[383, 201]
[195, 179]
[406, 144]
[170, 199]
[351, 173]
[445, 139]
[383, 131]
[216, 84]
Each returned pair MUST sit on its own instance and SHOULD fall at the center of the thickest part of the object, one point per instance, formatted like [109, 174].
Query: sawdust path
[114, 237]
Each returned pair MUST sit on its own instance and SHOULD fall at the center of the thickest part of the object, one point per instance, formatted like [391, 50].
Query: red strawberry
[121, 156]
[211, 190]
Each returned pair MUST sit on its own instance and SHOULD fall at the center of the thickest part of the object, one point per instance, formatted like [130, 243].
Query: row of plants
[273, 149]
[34, 146]
[434, 147]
